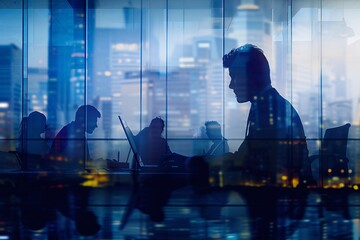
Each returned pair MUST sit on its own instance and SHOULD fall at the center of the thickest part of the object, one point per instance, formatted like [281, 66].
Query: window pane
[11, 69]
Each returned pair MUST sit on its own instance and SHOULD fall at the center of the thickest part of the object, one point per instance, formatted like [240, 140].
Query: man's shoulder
[159, 140]
[275, 96]
[143, 133]
[64, 132]
[279, 100]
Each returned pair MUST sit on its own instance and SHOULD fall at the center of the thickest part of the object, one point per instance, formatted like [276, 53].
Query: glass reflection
[142, 59]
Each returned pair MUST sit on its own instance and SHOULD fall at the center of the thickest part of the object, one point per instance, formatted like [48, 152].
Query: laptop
[131, 139]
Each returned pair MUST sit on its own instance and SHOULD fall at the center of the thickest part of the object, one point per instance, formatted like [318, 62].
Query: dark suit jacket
[274, 150]
[69, 149]
[152, 150]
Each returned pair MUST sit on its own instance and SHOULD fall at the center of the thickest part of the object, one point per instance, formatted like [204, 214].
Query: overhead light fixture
[248, 5]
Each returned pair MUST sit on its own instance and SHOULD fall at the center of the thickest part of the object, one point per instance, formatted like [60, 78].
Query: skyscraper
[61, 33]
[37, 90]
[10, 91]
[208, 52]
[67, 59]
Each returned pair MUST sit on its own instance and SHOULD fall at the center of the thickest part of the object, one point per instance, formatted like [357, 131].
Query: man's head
[36, 123]
[249, 71]
[157, 127]
[213, 130]
[91, 114]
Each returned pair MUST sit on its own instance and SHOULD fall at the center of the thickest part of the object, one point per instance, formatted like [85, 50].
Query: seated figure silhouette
[32, 147]
[70, 146]
[152, 147]
[219, 143]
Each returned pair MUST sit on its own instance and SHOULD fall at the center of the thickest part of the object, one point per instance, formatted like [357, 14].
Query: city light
[142, 59]
[126, 47]
[4, 105]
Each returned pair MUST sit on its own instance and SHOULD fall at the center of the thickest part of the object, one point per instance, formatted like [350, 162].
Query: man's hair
[157, 120]
[256, 63]
[214, 124]
[88, 110]
[36, 116]
[214, 127]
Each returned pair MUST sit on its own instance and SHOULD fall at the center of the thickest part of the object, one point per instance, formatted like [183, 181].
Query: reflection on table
[47, 205]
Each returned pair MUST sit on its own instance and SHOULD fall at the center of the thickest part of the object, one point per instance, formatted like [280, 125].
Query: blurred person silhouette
[36, 213]
[32, 147]
[36, 203]
[42, 196]
[201, 142]
[72, 202]
[210, 206]
[70, 144]
[220, 145]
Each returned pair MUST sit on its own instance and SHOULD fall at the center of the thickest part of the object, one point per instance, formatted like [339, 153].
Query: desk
[207, 216]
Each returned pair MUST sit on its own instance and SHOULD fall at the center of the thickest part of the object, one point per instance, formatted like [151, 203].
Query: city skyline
[295, 86]
[185, 137]
[81, 80]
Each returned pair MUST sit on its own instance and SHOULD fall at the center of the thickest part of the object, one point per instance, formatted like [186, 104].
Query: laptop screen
[131, 139]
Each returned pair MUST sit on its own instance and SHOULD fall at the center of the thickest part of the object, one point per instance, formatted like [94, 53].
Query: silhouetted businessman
[274, 150]
[70, 146]
[153, 148]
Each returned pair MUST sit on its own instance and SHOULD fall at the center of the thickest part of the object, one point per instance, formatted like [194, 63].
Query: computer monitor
[131, 139]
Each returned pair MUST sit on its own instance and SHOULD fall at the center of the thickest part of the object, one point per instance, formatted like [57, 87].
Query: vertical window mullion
[24, 65]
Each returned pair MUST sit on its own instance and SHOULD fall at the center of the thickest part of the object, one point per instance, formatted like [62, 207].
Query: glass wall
[147, 58]
[11, 72]
[142, 59]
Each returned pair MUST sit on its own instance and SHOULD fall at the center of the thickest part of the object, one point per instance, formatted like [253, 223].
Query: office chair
[9, 161]
[334, 171]
[333, 162]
